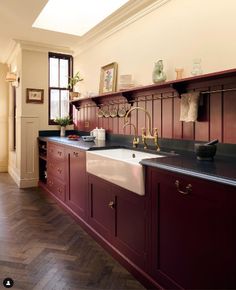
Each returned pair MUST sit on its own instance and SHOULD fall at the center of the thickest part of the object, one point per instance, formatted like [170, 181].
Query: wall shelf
[178, 86]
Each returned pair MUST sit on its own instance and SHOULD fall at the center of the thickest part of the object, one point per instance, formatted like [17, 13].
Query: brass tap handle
[156, 139]
[135, 142]
[188, 188]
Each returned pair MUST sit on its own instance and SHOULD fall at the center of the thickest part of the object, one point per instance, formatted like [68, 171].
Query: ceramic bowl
[88, 138]
[205, 152]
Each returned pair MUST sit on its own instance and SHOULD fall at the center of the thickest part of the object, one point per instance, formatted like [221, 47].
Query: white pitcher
[94, 132]
[101, 134]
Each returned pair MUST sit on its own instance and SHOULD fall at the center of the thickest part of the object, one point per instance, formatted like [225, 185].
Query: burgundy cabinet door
[77, 182]
[130, 225]
[102, 207]
[193, 235]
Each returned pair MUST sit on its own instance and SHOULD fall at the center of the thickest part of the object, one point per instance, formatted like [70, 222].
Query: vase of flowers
[72, 82]
[63, 122]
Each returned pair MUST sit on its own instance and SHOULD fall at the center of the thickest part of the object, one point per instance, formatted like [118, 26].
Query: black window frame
[70, 72]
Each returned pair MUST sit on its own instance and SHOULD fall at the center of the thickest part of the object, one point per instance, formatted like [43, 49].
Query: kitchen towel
[189, 107]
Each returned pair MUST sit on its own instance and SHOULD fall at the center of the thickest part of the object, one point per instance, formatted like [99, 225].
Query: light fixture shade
[11, 77]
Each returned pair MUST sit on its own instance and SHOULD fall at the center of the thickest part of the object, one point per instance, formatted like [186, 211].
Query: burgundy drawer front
[55, 152]
[56, 187]
[57, 169]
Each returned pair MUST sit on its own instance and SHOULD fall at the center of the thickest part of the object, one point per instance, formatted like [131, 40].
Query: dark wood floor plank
[42, 247]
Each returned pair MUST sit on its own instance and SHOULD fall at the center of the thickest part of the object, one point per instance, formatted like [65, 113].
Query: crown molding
[125, 16]
[13, 49]
[43, 47]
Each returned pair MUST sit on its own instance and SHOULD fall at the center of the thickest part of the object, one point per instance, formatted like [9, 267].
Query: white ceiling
[17, 17]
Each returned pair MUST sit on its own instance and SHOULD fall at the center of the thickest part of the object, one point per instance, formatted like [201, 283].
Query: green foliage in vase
[74, 80]
[63, 121]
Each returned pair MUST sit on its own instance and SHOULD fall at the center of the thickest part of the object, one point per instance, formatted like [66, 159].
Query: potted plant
[72, 82]
[63, 122]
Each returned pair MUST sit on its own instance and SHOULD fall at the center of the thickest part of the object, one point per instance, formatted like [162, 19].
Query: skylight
[75, 16]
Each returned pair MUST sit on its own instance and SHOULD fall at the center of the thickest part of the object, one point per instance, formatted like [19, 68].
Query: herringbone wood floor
[42, 247]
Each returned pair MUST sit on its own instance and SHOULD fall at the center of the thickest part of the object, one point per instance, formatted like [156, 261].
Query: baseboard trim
[4, 168]
[22, 182]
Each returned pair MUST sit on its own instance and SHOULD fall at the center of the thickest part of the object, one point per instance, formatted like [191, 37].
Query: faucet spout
[136, 139]
[146, 132]
[146, 112]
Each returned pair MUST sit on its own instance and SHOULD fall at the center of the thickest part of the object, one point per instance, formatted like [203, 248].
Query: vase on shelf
[197, 70]
[63, 131]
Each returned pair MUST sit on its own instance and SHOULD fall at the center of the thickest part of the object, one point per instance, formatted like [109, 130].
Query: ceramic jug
[101, 134]
[94, 132]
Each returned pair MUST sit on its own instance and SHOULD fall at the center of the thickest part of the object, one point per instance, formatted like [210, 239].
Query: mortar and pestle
[206, 151]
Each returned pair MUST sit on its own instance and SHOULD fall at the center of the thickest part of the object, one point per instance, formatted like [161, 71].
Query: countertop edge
[189, 172]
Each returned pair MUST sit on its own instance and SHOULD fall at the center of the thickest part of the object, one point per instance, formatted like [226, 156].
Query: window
[60, 69]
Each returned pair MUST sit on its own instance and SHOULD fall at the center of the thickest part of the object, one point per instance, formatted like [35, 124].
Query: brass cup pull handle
[76, 154]
[188, 188]
[111, 204]
[59, 170]
[59, 153]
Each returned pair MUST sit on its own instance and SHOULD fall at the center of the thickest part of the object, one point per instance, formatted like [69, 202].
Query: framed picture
[108, 78]
[34, 96]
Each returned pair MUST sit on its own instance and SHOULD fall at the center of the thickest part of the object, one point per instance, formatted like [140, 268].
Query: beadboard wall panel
[217, 113]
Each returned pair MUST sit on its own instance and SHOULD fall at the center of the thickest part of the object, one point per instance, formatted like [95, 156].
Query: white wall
[177, 32]
[3, 119]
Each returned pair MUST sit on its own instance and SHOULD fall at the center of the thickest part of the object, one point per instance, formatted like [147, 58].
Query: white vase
[63, 131]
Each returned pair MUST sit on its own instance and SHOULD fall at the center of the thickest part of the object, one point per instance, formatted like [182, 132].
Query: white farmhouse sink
[119, 166]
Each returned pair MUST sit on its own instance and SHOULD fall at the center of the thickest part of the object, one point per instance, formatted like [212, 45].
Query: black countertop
[222, 169]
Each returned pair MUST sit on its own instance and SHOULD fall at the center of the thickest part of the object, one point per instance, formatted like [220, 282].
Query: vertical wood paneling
[149, 106]
[115, 129]
[216, 115]
[121, 121]
[141, 116]
[188, 130]
[157, 114]
[167, 118]
[177, 124]
[202, 127]
[134, 118]
[92, 117]
[229, 116]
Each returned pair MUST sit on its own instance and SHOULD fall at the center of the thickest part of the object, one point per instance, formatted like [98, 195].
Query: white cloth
[189, 107]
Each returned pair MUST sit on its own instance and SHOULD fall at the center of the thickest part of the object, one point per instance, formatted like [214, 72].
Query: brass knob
[188, 188]
[111, 204]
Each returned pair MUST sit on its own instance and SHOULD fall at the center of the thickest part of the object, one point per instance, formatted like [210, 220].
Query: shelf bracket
[129, 97]
[180, 88]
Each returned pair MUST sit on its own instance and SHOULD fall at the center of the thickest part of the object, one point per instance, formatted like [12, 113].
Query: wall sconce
[13, 78]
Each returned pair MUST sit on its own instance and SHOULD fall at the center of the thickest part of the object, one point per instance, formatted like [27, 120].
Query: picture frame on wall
[34, 96]
[108, 78]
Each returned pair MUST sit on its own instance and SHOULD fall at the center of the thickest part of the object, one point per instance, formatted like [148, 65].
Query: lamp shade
[11, 77]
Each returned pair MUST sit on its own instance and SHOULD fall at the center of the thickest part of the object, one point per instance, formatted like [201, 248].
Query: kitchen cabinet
[119, 216]
[192, 232]
[56, 177]
[77, 185]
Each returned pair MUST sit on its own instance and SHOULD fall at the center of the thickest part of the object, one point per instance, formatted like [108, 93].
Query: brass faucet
[146, 133]
[136, 138]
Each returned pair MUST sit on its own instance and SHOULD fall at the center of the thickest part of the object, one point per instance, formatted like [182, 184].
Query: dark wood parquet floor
[42, 247]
